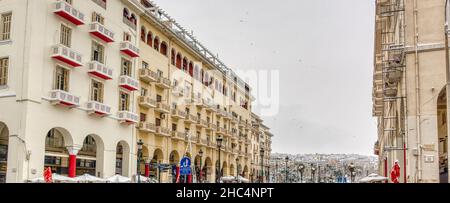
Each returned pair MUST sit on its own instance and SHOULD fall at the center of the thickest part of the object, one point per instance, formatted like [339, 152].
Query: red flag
[48, 177]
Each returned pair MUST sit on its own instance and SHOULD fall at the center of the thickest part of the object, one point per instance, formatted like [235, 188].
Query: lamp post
[286, 169]
[301, 168]
[276, 170]
[219, 145]
[139, 157]
[351, 168]
[237, 170]
[262, 165]
[200, 153]
[447, 63]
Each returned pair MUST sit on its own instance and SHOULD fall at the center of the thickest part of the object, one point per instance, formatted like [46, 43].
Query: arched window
[126, 13]
[202, 74]
[206, 79]
[185, 65]
[149, 39]
[143, 34]
[172, 56]
[210, 82]
[133, 19]
[156, 44]
[163, 49]
[178, 64]
[191, 69]
[196, 72]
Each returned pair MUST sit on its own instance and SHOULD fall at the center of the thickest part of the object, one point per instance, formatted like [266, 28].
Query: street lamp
[139, 157]
[313, 171]
[237, 170]
[262, 166]
[301, 168]
[200, 153]
[351, 168]
[447, 63]
[219, 145]
[286, 169]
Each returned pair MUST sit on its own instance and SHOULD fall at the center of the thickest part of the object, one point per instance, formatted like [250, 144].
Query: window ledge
[5, 92]
[5, 42]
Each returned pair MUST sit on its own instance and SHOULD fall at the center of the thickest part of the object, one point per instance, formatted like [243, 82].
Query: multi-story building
[262, 149]
[409, 94]
[82, 81]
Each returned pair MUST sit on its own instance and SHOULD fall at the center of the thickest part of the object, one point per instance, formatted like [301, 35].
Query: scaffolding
[389, 99]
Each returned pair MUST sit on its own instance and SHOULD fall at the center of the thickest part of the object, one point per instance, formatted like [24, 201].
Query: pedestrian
[395, 173]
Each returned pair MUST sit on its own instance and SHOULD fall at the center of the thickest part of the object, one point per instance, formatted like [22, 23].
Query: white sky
[323, 50]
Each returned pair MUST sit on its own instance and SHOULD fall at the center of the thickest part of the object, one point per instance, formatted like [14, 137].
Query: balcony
[234, 135]
[241, 139]
[204, 142]
[67, 55]
[68, 12]
[99, 70]
[202, 123]
[98, 108]
[220, 112]
[222, 131]
[147, 102]
[59, 97]
[178, 135]
[162, 108]
[163, 83]
[178, 91]
[178, 114]
[130, 23]
[128, 83]
[101, 3]
[203, 103]
[234, 120]
[147, 127]
[148, 76]
[162, 131]
[129, 49]
[127, 117]
[101, 32]
[191, 119]
[212, 126]
[209, 106]
[227, 116]
[242, 123]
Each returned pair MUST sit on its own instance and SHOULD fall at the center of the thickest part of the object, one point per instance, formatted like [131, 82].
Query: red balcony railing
[98, 108]
[128, 83]
[99, 70]
[101, 32]
[127, 117]
[67, 55]
[68, 12]
[64, 98]
[129, 49]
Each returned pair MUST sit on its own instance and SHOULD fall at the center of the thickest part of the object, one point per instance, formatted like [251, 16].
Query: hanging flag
[48, 175]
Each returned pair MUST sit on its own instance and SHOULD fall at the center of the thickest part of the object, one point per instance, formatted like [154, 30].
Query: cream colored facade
[84, 85]
[409, 89]
[187, 102]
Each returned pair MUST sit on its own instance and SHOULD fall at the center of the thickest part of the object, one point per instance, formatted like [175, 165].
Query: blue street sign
[185, 166]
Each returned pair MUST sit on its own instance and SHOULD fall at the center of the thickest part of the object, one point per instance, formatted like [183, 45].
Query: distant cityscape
[320, 168]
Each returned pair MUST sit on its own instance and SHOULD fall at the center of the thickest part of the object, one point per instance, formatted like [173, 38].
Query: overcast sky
[323, 50]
